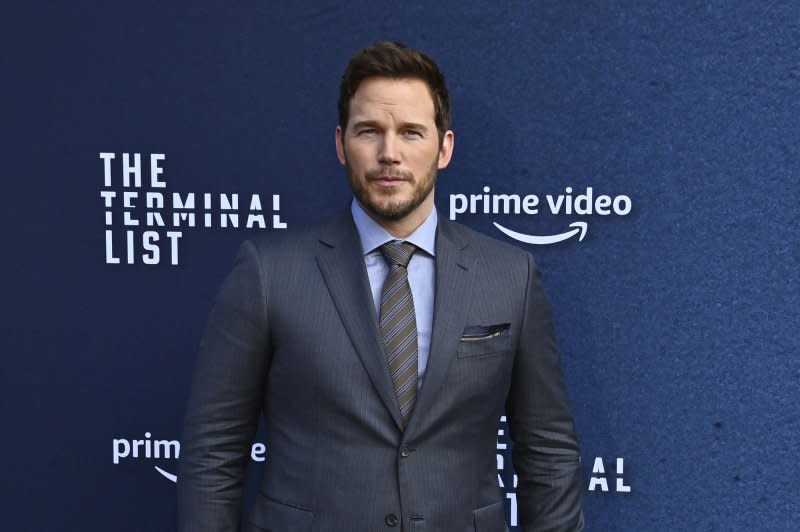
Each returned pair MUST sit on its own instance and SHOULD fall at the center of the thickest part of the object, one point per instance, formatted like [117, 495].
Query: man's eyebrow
[414, 125]
[365, 123]
[404, 125]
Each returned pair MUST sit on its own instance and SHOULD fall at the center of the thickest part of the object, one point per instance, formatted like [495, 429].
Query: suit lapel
[342, 264]
[451, 303]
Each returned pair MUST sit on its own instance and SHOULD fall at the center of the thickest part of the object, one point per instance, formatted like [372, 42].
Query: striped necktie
[398, 325]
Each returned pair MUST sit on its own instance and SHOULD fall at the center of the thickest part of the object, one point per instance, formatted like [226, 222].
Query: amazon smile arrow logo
[167, 475]
[583, 204]
[580, 227]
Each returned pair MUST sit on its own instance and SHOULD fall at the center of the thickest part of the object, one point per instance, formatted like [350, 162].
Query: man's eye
[412, 133]
[364, 132]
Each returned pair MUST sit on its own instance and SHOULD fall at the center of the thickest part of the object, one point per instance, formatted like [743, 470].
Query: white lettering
[134, 169]
[107, 157]
[136, 445]
[507, 201]
[154, 218]
[129, 239]
[178, 203]
[253, 219]
[174, 236]
[458, 205]
[107, 196]
[154, 200]
[255, 205]
[128, 220]
[622, 205]
[583, 202]
[147, 243]
[276, 218]
[156, 170]
[110, 258]
[229, 202]
[621, 487]
[598, 468]
[513, 507]
[601, 205]
[257, 452]
[166, 446]
[555, 206]
[127, 199]
[178, 217]
[122, 448]
[529, 204]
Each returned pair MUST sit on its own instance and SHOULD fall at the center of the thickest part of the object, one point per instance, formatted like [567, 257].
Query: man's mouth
[388, 179]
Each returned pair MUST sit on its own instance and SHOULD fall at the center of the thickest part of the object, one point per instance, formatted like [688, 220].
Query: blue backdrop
[677, 319]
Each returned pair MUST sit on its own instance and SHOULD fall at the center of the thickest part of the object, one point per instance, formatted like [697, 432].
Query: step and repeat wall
[645, 153]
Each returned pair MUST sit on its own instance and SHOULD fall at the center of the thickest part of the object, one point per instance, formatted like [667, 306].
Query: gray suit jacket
[293, 335]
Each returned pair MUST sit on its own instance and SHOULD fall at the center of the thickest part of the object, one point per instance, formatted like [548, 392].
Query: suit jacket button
[404, 452]
[392, 520]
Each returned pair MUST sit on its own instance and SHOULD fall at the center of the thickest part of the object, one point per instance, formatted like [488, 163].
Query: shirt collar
[373, 235]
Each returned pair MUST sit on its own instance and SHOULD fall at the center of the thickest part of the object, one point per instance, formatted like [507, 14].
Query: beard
[392, 209]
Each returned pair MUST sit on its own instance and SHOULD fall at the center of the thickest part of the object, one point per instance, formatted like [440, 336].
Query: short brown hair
[395, 60]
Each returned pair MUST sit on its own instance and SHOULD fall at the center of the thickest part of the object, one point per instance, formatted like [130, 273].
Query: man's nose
[388, 153]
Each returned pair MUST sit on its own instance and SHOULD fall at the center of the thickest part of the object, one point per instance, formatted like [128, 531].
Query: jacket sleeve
[545, 452]
[225, 400]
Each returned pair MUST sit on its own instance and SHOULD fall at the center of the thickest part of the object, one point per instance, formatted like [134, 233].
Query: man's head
[394, 60]
[394, 132]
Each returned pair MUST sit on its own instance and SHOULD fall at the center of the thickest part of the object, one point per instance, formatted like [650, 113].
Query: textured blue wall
[678, 321]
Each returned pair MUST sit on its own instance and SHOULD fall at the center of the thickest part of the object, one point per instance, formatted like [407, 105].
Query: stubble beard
[392, 210]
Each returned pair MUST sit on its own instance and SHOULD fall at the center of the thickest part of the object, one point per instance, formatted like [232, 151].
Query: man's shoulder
[488, 248]
[301, 241]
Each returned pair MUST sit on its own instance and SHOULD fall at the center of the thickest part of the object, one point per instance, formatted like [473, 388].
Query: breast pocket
[485, 341]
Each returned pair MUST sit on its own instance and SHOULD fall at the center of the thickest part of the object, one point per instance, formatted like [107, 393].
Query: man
[382, 347]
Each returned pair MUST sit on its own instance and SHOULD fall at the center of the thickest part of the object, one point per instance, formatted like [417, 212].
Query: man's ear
[340, 144]
[446, 150]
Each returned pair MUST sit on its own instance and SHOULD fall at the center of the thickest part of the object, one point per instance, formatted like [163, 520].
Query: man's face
[391, 149]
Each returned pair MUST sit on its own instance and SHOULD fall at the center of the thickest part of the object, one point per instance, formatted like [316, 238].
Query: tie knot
[398, 253]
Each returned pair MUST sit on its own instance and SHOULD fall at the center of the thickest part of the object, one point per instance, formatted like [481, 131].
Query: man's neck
[373, 235]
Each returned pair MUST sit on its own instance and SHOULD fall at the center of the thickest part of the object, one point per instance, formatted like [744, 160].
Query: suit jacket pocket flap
[484, 340]
[481, 332]
[273, 516]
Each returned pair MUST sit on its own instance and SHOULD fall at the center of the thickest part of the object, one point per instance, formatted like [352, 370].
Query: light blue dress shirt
[421, 272]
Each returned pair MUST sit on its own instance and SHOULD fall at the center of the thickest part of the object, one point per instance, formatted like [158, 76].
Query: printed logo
[150, 449]
[145, 223]
[567, 203]
[147, 448]
[506, 479]
[599, 479]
